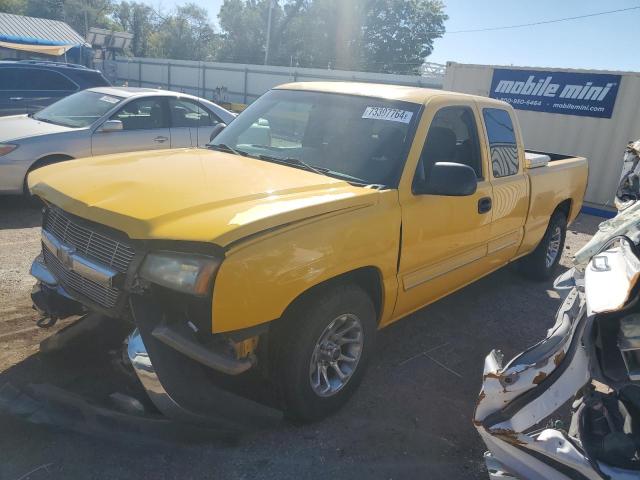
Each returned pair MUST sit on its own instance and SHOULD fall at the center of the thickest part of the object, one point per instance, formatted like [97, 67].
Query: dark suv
[26, 86]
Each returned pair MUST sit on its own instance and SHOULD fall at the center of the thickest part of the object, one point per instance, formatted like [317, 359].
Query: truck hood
[16, 127]
[192, 194]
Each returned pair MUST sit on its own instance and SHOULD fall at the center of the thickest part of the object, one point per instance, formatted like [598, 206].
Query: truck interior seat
[439, 147]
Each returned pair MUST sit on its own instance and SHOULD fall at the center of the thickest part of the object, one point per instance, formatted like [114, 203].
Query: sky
[608, 42]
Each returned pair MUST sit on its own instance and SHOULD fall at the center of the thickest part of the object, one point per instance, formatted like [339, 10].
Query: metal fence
[242, 83]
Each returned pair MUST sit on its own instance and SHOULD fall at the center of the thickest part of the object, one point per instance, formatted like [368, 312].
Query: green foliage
[244, 25]
[53, 9]
[138, 19]
[186, 35]
[375, 35]
[17, 7]
[397, 35]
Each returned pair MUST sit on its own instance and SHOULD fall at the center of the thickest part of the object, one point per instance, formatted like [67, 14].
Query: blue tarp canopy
[37, 31]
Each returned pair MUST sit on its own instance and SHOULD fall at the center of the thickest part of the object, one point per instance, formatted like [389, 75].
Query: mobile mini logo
[566, 93]
[544, 87]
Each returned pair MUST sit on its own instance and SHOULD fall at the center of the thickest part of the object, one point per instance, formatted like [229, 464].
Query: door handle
[484, 204]
[16, 99]
[160, 139]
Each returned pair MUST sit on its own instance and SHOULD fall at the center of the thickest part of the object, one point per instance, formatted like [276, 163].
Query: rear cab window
[502, 142]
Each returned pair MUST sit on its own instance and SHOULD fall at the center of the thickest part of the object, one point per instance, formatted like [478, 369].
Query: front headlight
[7, 148]
[187, 273]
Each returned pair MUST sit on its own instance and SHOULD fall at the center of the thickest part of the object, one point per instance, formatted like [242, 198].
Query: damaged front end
[86, 268]
[569, 407]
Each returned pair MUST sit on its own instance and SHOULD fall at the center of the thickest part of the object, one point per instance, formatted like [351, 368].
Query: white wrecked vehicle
[591, 356]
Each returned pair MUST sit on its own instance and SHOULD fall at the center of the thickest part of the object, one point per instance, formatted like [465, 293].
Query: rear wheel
[542, 262]
[323, 347]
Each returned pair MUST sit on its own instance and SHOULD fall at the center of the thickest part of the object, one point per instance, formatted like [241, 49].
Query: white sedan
[100, 121]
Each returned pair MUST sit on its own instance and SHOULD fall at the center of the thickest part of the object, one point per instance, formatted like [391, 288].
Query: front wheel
[323, 347]
[542, 262]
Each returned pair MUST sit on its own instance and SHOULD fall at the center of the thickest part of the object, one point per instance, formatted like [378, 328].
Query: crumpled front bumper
[180, 387]
[177, 385]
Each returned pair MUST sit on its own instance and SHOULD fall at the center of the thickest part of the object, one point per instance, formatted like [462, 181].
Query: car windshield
[360, 139]
[78, 110]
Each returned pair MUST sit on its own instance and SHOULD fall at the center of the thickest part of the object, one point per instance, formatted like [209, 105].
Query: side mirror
[449, 179]
[216, 130]
[111, 126]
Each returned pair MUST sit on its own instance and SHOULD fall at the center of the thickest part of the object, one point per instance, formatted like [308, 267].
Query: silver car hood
[17, 127]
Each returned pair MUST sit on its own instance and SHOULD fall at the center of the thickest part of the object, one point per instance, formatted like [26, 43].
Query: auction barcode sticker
[389, 114]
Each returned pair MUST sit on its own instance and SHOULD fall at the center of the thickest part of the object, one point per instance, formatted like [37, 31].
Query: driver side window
[452, 137]
[142, 114]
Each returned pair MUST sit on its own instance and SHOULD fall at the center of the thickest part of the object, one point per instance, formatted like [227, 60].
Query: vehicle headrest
[440, 145]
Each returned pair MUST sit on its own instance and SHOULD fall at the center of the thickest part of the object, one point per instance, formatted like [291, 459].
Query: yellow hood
[191, 194]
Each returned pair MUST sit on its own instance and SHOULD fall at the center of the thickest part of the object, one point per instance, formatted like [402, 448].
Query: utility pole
[266, 47]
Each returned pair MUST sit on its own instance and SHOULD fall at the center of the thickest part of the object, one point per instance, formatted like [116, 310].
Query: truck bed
[562, 181]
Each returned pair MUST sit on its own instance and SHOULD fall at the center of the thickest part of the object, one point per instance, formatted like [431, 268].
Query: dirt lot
[410, 418]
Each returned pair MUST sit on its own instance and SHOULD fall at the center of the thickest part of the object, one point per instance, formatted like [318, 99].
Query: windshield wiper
[222, 147]
[294, 161]
[356, 180]
[321, 171]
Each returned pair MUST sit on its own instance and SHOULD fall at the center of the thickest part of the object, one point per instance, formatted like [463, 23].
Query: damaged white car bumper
[580, 360]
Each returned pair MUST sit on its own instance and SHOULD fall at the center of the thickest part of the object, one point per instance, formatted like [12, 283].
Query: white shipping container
[601, 140]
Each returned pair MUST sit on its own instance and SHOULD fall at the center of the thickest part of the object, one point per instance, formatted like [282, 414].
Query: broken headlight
[186, 273]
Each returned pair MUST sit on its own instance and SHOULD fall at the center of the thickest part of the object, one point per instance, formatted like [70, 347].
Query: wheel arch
[43, 162]
[565, 207]
[369, 278]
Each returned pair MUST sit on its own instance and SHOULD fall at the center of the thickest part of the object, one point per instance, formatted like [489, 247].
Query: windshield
[78, 110]
[360, 139]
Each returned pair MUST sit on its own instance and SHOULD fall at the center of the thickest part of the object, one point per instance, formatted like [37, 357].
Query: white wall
[601, 140]
[244, 83]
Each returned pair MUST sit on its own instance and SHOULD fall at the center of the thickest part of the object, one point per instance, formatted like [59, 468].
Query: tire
[542, 262]
[305, 329]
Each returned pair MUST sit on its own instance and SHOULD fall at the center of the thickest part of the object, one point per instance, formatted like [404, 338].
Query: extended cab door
[145, 126]
[444, 238]
[510, 184]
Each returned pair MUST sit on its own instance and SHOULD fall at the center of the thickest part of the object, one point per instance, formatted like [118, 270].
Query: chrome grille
[93, 245]
[105, 296]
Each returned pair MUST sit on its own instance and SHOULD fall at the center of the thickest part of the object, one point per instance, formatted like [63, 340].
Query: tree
[243, 24]
[17, 7]
[187, 35]
[141, 21]
[398, 35]
[53, 9]
[375, 35]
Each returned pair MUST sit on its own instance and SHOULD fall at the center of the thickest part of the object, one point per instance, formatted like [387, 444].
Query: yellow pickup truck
[322, 213]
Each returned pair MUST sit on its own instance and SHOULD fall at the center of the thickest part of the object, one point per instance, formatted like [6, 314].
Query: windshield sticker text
[389, 114]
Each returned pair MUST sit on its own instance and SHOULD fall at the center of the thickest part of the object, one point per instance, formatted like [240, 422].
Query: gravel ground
[411, 417]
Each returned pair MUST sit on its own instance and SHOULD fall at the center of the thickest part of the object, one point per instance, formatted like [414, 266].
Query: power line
[543, 22]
